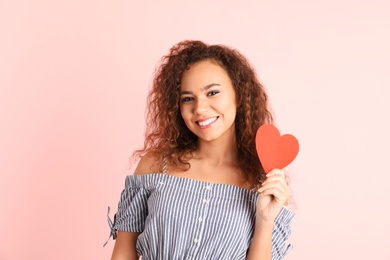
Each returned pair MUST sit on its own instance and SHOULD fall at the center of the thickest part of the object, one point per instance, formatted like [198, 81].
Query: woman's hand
[274, 193]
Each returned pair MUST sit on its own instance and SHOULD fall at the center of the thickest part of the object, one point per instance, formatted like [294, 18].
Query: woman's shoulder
[149, 163]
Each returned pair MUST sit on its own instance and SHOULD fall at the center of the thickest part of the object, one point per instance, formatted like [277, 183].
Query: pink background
[73, 82]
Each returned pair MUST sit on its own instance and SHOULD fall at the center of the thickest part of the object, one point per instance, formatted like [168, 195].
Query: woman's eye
[186, 99]
[212, 93]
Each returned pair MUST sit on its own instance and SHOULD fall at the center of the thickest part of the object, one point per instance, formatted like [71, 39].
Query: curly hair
[166, 133]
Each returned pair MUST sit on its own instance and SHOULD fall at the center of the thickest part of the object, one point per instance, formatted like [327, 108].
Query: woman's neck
[218, 152]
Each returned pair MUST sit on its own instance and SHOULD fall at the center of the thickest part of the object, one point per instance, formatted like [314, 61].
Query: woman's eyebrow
[203, 88]
[209, 86]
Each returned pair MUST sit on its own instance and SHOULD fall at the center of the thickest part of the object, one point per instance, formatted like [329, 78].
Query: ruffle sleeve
[132, 206]
[280, 234]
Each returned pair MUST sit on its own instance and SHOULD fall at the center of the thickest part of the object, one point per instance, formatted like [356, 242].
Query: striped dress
[182, 218]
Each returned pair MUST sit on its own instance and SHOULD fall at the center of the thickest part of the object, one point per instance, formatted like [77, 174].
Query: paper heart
[275, 151]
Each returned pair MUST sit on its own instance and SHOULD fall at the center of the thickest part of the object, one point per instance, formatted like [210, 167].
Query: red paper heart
[275, 151]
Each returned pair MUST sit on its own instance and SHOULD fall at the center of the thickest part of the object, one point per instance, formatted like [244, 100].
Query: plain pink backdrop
[73, 82]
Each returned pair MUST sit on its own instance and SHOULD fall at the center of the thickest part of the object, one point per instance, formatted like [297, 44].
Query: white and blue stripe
[181, 218]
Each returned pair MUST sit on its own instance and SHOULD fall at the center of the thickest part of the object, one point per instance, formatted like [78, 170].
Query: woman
[199, 190]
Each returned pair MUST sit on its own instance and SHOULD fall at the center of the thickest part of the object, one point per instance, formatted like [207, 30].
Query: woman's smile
[205, 123]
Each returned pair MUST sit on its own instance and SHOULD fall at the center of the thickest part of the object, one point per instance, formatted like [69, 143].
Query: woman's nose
[201, 106]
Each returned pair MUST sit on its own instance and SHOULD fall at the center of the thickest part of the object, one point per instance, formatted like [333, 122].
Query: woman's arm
[274, 193]
[261, 246]
[125, 246]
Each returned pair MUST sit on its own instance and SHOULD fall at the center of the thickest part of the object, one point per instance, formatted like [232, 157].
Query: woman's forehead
[204, 73]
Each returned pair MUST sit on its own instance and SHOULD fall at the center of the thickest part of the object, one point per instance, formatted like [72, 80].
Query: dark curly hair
[166, 133]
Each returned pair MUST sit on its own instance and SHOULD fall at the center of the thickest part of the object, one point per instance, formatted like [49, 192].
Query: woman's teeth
[207, 121]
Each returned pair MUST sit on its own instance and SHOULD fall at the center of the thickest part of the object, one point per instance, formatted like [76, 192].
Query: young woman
[199, 190]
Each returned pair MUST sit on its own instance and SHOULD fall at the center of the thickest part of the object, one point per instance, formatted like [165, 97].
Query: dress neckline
[186, 179]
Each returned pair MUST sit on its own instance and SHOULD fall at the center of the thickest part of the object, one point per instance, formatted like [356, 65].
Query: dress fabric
[182, 218]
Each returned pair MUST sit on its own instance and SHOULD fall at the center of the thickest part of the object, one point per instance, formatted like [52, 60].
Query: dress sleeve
[281, 233]
[132, 206]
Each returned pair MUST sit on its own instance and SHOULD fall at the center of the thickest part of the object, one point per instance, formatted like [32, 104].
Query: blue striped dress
[182, 218]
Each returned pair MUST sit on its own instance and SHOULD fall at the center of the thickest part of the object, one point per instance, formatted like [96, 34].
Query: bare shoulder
[149, 163]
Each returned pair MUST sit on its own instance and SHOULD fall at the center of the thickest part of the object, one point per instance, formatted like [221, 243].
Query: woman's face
[208, 101]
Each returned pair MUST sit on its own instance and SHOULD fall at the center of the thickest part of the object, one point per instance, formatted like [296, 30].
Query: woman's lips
[206, 122]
